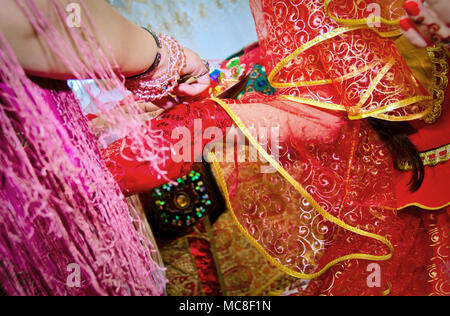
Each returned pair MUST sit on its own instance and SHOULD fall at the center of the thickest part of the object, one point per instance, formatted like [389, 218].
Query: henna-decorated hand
[428, 22]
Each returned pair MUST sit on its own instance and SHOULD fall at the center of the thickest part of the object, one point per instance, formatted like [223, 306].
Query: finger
[191, 90]
[442, 9]
[195, 89]
[149, 116]
[127, 109]
[148, 107]
[426, 16]
[412, 33]
[204, 79]
[165, 103]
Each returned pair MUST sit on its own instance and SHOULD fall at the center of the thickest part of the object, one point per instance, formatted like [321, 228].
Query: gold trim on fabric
[353, 22]
[350, 75]
[394, 106]
[379, 113]
[428, 160]
[439, 80]
[307, 196]
[388, 290]
[303, 48]
[428, 208]
[366, 23]
[323, 105]
[411, 117]
[375, 82]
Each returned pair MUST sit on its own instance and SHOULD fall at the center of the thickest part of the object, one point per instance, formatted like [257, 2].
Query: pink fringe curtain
[60, 209]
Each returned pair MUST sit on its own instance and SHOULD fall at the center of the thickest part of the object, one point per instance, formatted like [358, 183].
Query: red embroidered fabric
[419, 267]
[134, 176]
[433, 193]
[363, 72]
[331, 196]
[206, 267]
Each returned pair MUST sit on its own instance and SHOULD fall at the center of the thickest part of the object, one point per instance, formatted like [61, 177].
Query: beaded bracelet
[149, 89]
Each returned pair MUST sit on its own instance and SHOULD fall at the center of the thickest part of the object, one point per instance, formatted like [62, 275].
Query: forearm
[133, 48]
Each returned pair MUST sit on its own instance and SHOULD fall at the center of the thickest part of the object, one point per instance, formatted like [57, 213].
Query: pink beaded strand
[146, 88]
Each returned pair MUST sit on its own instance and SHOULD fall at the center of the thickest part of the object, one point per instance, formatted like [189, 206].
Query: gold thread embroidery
[440, 81]
[438, 57]
[379, 113]
[301, 49]
[339, 107]
[430, 158]
[307, 196]
[353, 22]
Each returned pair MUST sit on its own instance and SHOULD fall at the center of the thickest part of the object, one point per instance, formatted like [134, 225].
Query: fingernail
[413, 34]
[412, 8]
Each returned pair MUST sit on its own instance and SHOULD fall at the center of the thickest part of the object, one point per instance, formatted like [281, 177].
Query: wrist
[163, 79]
[163, 65]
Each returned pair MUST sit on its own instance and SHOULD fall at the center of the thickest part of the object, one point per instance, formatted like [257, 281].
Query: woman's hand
[141, 112]
[427, 22]
[197, 69]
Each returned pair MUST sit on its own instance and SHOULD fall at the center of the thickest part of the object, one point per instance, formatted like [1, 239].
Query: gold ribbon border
[350, 25]
[306, 195]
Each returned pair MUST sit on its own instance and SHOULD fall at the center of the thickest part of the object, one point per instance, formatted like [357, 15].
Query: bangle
[150, 89]
[158, 43]
[152, 67]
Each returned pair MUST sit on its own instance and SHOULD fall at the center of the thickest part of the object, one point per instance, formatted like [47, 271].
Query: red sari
[328, 211]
